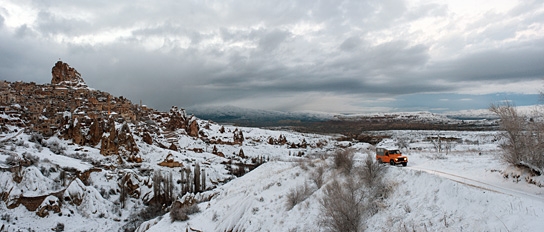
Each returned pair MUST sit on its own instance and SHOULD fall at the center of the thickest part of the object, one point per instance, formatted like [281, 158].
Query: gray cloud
[263, 53]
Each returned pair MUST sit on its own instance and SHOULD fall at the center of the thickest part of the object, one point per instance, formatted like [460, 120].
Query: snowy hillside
[64, 186]
[51, 183]
[463, 190]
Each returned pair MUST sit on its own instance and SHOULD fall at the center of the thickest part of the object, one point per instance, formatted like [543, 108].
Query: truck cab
[392, 156]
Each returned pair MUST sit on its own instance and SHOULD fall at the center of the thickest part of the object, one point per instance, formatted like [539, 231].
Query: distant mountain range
[267, 118]
[255, 117]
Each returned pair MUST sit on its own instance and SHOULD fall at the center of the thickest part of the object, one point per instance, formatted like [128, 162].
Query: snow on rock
[34, 183]
[74, 192]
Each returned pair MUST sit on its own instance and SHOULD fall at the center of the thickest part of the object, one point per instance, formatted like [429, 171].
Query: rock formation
[95, 133]
[238, 136]
[177, 119]
[74, 132]
[120, 142]
[147, 138]
[192, 128]
[63, 74]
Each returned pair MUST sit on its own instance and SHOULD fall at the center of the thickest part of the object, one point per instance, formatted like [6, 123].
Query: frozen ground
[463, 190]
[465, 187]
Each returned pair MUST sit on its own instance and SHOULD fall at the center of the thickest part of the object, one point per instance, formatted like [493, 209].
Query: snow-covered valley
[465, 187]
[465, 190]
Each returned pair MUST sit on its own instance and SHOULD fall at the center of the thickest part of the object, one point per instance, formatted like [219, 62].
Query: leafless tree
[523, 138]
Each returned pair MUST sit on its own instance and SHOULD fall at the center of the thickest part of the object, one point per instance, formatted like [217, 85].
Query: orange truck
[391, 155]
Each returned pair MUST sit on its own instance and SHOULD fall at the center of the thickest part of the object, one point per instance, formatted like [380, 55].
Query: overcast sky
[332, 56]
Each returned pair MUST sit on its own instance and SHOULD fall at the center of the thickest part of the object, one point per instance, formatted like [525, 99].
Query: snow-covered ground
[464, 190]
[465, 187]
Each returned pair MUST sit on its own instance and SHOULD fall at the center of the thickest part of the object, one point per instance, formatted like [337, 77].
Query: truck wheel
[404, 164]
[391, 162]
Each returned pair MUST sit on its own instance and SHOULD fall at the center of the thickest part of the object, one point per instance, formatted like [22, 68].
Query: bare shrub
[297, 195]
[59, 227]
[123, 190]
[317, 176]
[523, 138]
[342, 206]
[33, 159]
[147, 213]
[371, 171]
[36, 138]
[403, 142]
[303, 163]
[56, 148]
[343, 160]
[20, 143]
[351, 198]
[45, 171]
[180, 212]
[13, 159]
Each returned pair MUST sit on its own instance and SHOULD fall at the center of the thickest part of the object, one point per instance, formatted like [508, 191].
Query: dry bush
[317, 176]
[343, 160]
[13, 159]
[138, 217]
[180, 212]
[59, 227]
[524, 138]
[297, 195]
[343, 206]
[371, 171]
[351, 198]
[303, 163]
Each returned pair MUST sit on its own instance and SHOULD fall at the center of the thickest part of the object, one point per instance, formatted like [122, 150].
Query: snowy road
[481, 184]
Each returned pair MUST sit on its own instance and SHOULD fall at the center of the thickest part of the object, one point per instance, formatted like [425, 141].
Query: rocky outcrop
[120, 142]
[50, 203]
[126, 143]
[63, 74]
[95, 133]
[177, 119]
[192, 128]
[173, 147]
[74, 133]
[109, 142]
[147, 138]
[238, 136]
[170, 162]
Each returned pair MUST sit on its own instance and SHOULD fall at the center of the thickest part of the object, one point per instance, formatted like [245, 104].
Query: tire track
[480, 184]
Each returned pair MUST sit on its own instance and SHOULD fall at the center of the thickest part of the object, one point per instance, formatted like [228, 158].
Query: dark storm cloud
[506, 65]
[264, 53]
